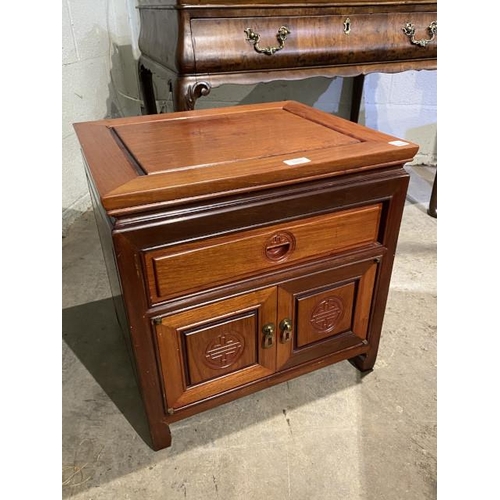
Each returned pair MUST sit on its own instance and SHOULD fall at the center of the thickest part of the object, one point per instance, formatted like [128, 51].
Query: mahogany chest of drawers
[197, 45]
[245, 246]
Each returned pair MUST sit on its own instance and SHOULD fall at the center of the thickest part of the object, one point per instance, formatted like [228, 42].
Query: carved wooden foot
[186, 94]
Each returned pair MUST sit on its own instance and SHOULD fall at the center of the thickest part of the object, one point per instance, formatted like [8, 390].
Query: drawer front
[311, 41]
[197, 266]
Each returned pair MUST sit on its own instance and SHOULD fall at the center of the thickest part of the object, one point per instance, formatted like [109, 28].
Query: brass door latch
[286, 330]
[268, 331]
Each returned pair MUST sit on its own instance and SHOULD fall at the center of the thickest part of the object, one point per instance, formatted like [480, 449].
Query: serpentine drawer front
[257, 43]
[245, 246]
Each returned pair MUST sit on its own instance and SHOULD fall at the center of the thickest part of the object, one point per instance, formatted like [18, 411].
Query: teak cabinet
[245, 246]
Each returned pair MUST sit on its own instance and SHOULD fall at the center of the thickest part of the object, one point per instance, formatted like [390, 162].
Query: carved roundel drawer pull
[279, 246]
[254, 38]
[409, 31]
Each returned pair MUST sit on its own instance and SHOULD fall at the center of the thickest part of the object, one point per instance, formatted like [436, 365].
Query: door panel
[325, 314]
[221, 347]
[328, 311]
[214, 348]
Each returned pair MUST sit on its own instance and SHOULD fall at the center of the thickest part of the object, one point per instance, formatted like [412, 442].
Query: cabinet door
[324, 313]
[217, 347]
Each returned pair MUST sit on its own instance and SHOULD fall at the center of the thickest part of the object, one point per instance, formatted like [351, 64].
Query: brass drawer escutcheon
[347, 26]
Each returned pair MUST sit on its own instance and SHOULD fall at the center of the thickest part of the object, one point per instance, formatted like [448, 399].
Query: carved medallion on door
[322, 315]
[327, 313]
[224, 350]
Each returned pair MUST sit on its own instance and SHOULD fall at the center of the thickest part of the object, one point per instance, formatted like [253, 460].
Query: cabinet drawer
[196, 266]
[311, 41]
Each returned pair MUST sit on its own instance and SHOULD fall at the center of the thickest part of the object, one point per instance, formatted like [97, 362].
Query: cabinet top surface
[179, 157]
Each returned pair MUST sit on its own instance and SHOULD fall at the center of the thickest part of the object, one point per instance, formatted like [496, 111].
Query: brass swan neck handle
[254, 38]
[409, 31]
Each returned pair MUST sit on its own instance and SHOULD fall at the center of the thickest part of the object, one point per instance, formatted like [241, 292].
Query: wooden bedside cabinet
[245, 246]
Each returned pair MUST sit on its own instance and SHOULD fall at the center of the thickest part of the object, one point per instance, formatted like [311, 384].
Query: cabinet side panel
[165, 37]
[105, 228]
[390, 224]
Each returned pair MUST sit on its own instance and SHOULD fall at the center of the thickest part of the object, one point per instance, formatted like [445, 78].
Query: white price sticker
[297, 161]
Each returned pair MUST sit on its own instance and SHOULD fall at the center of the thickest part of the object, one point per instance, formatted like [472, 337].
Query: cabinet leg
[364, 363]
[147, 89]
[357, 93]
[161, 436]
[432, 210]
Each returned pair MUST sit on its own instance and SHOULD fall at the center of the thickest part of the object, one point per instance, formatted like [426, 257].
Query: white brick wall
[95, 71]
[99, 79]
[404, 105]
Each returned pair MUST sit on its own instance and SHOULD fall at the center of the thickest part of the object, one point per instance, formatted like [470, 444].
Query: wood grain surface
[201, 265]
[331, 145]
